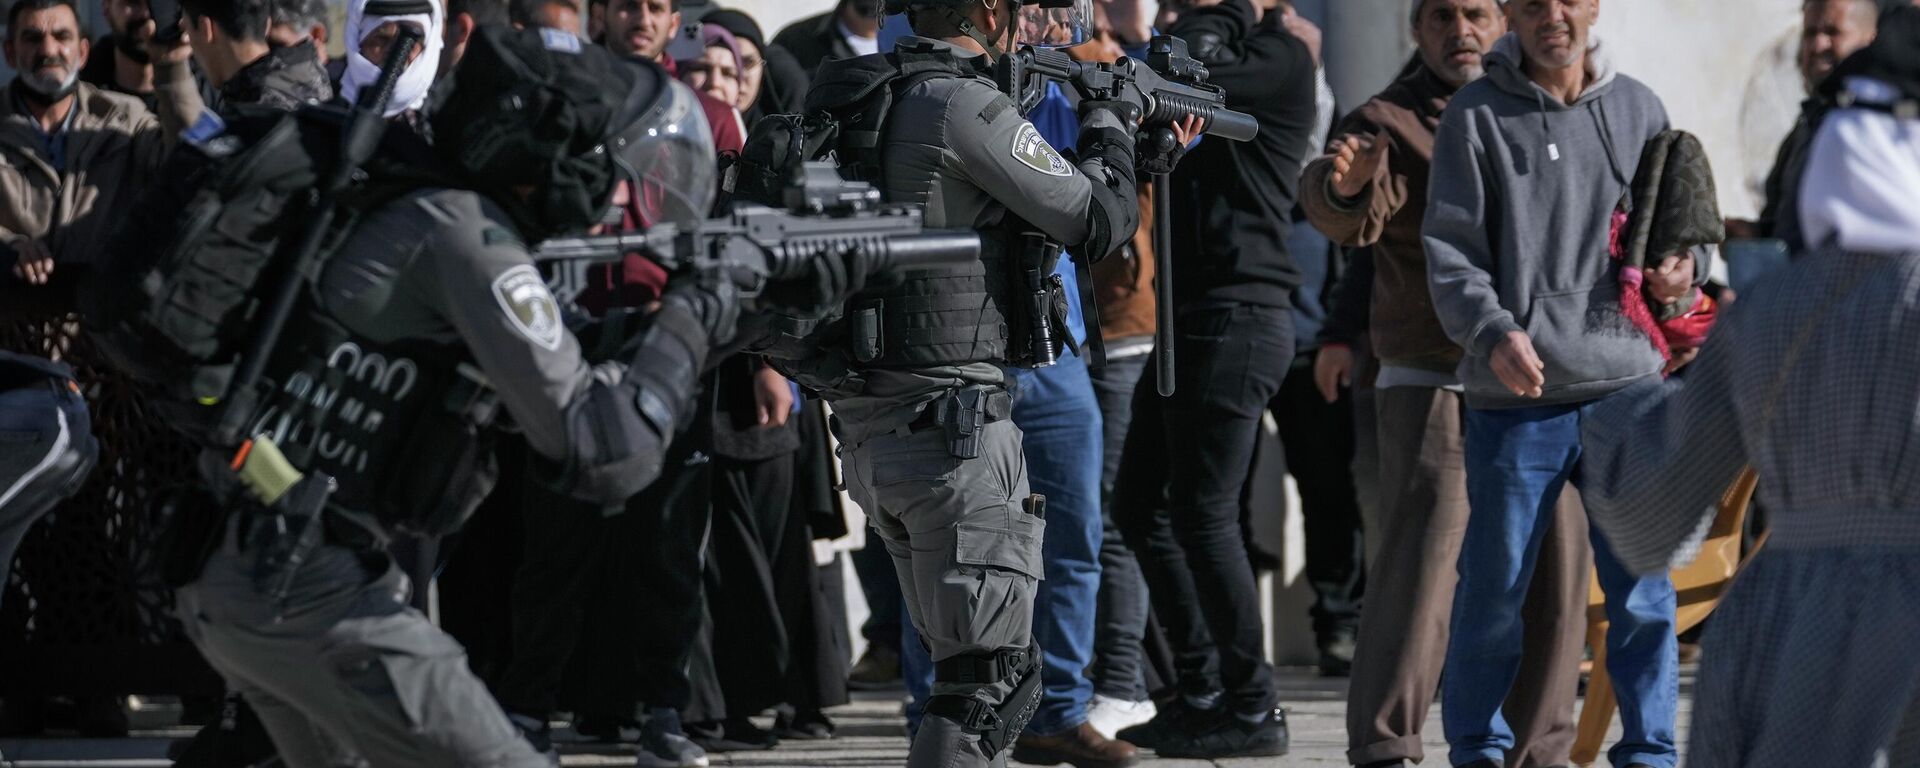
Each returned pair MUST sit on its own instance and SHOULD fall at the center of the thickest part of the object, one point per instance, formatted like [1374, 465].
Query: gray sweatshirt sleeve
[1461, 257]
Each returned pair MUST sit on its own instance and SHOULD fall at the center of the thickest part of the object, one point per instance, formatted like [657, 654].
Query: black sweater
[1232, 200]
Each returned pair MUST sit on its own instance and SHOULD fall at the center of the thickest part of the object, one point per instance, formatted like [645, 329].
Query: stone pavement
[872, 734]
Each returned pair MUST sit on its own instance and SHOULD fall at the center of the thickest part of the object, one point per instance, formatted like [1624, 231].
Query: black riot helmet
[547, 124]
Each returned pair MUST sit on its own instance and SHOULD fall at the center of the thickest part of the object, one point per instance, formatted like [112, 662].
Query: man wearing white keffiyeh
[371, 25]
[1813, 378]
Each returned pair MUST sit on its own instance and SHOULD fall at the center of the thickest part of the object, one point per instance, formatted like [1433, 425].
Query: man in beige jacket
[71, 155]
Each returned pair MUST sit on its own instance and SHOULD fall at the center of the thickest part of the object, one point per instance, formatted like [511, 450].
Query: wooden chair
[1699, 587]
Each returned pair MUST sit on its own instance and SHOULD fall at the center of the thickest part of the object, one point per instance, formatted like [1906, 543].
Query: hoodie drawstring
[1553, 148]
[1598, 108]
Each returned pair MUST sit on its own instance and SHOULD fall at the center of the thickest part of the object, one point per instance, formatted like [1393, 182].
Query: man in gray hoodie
[1530, 164]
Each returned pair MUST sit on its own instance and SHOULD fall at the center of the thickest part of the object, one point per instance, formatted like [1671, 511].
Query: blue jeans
[1518, 460]
[1056, 409]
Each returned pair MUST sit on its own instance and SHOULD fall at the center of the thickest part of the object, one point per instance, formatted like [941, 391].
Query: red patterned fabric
[1633, 303]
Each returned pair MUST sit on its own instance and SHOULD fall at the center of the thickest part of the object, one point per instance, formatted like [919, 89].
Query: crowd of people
[1481, 309]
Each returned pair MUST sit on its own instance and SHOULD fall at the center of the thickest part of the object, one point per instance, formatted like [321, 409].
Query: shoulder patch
[559, 41]
[529, 306]
[1034, 152]
[209, 133]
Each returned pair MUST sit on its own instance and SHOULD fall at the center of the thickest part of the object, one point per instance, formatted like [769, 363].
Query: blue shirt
[56, 142]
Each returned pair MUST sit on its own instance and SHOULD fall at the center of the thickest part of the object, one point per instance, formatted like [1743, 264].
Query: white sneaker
[1109, 715]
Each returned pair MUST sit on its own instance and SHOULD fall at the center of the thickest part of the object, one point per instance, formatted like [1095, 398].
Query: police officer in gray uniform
[430, 313]
[919, 386]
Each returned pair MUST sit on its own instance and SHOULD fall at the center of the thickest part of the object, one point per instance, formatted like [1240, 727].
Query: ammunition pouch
[934, 317]
[998, 725]
[1008, 308]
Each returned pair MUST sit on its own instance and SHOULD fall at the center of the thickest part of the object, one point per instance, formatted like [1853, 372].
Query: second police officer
[919, 381]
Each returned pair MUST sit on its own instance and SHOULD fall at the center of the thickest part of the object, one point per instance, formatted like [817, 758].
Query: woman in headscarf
[717, 71]
[1813, 378]
[771, 81]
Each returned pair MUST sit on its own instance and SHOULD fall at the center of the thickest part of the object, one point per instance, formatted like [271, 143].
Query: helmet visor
[1056, 23]
[665, 149]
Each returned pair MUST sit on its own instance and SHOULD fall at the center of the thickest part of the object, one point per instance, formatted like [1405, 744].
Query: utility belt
[963, 414]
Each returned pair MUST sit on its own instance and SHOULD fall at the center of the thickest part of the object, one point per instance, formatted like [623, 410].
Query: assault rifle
[1171, 85]
[756, 245]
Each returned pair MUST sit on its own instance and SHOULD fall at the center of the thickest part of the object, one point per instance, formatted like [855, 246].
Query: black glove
[1128, 111]
[715, 303]
[833, 279]
[1158, 151]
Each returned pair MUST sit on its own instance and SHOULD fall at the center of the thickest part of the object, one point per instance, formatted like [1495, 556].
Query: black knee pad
[998, 725]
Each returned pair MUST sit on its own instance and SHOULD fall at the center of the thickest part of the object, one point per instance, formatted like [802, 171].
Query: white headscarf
[365, 16]
[1863, 177]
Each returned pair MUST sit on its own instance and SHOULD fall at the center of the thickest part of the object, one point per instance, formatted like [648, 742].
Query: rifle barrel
[919, 250]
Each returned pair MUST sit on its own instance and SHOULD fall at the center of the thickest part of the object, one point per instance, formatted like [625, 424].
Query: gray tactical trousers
[967, 554]
[347, 674]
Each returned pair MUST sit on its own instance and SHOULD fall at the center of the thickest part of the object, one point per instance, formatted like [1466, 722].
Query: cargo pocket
[412, 674]
[990, 605]
[1007, 550]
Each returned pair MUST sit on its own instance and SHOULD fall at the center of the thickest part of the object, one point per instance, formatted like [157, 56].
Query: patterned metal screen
[85, 611]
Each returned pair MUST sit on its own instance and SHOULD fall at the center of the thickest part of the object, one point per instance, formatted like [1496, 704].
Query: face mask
[47, 88]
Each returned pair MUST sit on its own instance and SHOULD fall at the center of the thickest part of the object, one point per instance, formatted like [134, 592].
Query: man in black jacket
[228, 40]
[119, 62]
[1232, 279]
[851, 29]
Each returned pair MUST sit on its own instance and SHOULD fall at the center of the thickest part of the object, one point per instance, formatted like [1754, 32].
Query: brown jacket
[113, 146]
[1387, 216]
[1123, 282]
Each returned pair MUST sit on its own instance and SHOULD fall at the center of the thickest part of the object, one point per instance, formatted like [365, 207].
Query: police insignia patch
[1034, 152]
[529, 305]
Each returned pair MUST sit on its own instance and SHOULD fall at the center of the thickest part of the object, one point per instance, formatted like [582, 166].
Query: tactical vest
[946, 316]
[403, 427]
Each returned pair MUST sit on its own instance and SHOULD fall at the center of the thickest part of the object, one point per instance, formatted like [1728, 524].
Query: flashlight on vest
[1039, 289]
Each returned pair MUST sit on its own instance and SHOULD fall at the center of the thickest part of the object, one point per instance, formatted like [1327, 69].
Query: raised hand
[1355, 160]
